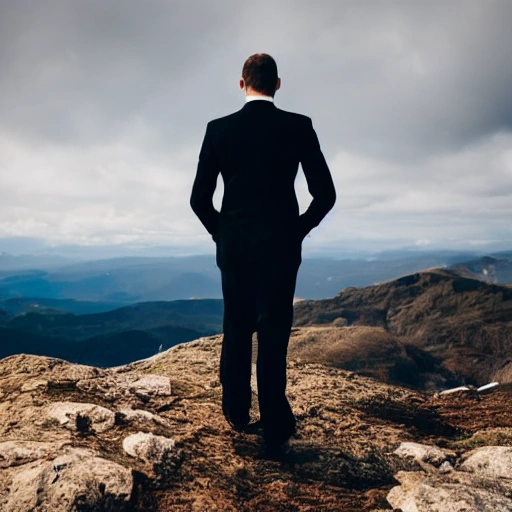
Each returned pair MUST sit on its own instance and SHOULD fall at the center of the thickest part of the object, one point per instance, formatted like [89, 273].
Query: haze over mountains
[138, 279]
[428, 329]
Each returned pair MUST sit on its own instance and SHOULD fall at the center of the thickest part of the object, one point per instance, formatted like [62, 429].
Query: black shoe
[238, 423]
[279, 434]
[253, 428]
[277, 442]
[277, 449]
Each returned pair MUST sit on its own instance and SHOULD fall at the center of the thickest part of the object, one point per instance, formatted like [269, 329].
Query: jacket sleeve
[319, 180]
[204, 186]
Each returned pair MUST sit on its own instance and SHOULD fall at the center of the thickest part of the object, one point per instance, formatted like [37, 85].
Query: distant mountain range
[19, 305]
[120, 280]
[129, 280]
[30, 261]
[452, 322]
[497, 269]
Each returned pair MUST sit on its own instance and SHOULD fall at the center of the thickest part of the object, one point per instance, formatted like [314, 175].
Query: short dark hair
[260, 73]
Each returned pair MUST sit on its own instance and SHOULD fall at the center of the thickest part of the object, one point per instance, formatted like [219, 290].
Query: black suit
[259, 233]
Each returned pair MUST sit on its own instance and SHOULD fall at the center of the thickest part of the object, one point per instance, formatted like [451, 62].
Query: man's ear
[242, 84]
[278, 84]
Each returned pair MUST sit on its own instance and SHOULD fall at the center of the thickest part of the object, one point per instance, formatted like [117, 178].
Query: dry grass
[341, 346]
[369, 351]
[463, 322]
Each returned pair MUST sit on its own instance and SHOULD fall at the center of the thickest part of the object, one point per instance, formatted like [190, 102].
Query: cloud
[104, 106]
[114, 193]
[454, 199]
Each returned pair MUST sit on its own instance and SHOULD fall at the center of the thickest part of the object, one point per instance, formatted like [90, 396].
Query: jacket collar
[259, 104]
[258, 97]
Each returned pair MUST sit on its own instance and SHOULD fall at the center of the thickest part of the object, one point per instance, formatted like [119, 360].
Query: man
[259, 233]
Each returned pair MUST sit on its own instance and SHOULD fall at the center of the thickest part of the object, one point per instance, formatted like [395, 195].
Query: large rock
[81, 416]
[138, 416]
[483, 482]
[491, 461]
[152, 385]
[148, 447]
[423, 453]
[456, 492]
[17, 453]
[75, 480]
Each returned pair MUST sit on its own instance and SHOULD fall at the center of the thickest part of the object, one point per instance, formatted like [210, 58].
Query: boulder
[422, 453]
[81, 416]
[17, 453]
[457, 492]
[149, 447]
[490, 461]
[75, 480]
[139, 416]
[152, 385]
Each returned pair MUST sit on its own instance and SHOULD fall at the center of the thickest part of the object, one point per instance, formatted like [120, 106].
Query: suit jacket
[257, 150]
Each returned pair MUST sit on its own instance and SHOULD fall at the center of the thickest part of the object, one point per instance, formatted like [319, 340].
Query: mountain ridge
[464, 322]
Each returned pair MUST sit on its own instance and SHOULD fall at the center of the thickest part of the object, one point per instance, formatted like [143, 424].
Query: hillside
[466, 324]
[109, 349]
[150, 437]
[204, 314]
[110, 338]
[372, 352]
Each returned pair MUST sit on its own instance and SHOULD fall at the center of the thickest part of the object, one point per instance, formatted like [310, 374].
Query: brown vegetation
[372, 352]
[464, 323]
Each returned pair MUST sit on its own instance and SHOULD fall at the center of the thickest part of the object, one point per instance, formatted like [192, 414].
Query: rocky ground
[150, 436]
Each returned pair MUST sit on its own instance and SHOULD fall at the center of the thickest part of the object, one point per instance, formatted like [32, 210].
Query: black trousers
[258, 290]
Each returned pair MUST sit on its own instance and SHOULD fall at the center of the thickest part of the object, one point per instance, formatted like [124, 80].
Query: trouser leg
[239, 325]
[276, 288]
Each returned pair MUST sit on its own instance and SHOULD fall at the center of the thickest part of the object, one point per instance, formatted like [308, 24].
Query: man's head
[259, 75]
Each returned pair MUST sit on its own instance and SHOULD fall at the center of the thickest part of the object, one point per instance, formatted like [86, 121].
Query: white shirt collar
[254, 97]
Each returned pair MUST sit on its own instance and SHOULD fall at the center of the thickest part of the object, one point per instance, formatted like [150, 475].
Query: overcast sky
[103, 107]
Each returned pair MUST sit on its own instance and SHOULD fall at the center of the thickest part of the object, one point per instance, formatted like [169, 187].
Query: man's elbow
[195, 204]
[330, 199]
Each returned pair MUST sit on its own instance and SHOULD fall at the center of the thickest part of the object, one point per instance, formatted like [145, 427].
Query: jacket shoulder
[220, 121]
[294, 117]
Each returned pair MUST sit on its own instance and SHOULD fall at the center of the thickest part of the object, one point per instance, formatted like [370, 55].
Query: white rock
[460, 389]
[152, 385]
[66, 413]
[76, 480]
[490, 461]
[422, 493]
[141, 416]
[17, 453]
[488, 387]
[22, 495]
[445, 467]
[421, 453]
[148, 447]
